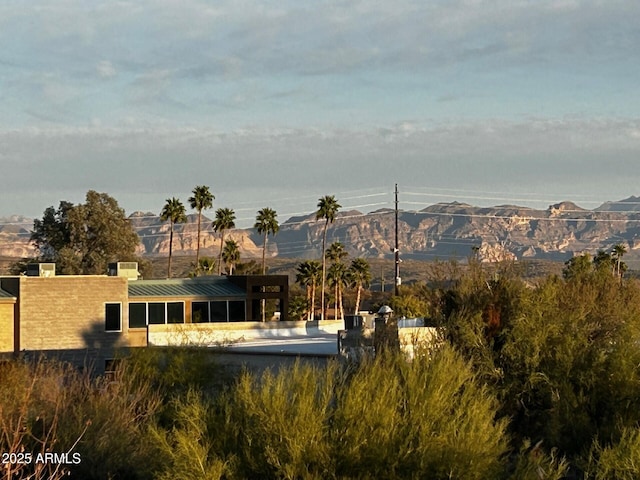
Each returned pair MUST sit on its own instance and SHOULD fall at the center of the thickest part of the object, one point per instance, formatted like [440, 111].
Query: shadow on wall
[100, 347]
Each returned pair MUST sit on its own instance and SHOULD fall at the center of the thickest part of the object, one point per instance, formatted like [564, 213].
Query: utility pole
[396, 250]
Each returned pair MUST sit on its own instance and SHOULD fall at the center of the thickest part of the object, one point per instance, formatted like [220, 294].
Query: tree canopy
[84, 238]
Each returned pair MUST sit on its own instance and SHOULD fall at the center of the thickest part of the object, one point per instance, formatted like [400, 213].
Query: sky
[277, 103]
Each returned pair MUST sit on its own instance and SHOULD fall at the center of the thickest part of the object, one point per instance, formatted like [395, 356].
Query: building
[85, 318]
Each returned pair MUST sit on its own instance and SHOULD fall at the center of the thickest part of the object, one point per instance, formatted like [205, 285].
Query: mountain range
[443, 230]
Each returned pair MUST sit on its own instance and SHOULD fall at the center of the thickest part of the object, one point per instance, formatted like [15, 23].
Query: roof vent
[124, 269]
[41, 270]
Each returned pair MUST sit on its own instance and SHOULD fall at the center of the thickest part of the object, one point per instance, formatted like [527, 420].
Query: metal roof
[210, 286]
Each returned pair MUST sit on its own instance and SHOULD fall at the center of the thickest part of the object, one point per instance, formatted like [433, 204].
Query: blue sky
[278, 103]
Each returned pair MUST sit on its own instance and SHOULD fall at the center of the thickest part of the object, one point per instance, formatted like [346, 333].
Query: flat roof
[208, 286]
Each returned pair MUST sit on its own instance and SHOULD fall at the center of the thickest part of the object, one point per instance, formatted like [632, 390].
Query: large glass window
[218, 311]
[237, 311]
[199, 312]
[156, 313]
[137, 315]
[175, 312]
[142, 314]
[113, 317]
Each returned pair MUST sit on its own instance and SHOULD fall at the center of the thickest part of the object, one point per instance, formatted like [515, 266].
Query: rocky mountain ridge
[443, 230]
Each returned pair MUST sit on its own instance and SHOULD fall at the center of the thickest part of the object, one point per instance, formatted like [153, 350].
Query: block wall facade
[68, 312]
[6, 326]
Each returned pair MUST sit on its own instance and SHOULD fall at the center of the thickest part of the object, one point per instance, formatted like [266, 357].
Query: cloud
[105, 69]
[145, 165]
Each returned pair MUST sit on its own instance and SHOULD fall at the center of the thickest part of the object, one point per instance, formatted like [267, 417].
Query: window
[137, 315]
[113, 317]
[199, 312]
[218, 311]
[156, 314]
[175, 312]
[142, 314]
[236, 311]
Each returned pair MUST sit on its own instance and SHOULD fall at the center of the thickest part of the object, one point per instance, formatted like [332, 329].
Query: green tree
[359, 275]
[266, 223]
[225, 220]
[328, 207]
[84, 238]
[173, 211]
[307, 275]
[577, 267]
[202, 199]
[53, 233]
[618, 252]
[231, 255]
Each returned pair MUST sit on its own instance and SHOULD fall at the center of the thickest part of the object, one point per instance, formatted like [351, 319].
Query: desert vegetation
[528, 381]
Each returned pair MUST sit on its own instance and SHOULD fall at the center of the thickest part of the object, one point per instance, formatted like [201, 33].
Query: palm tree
[266, 223]
[205, 266]
[618, 252]
[231, 254]
[336, 252]
[173, 211]
[328, 207]
[308, 274]
[360, 277]
[337, 276]
[225, 219]
[202, 199]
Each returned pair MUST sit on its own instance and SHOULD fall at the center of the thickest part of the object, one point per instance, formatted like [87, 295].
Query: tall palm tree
[202, 199]
[618, 252]
[173, 211]
[360, 277]
[337, 276]
[231, 254]
[225, 219]
[266, 223]
[337, 273]
[308, 274]
[328, 207]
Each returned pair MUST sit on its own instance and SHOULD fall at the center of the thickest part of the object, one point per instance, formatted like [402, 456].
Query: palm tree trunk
[170, 251]
[264, 251]
[198, 246]
[324, 266]
[341, 306]
[220, 255]
[357, 299]
[335, 304]
[313, 301]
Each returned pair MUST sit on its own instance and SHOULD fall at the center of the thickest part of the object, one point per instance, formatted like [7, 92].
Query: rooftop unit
[128, 270]
[41, 270]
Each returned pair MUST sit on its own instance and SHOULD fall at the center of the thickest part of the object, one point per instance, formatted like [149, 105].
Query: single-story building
[84, 318]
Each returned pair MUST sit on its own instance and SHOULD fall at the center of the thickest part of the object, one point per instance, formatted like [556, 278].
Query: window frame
[106, 319]
[165, 303]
